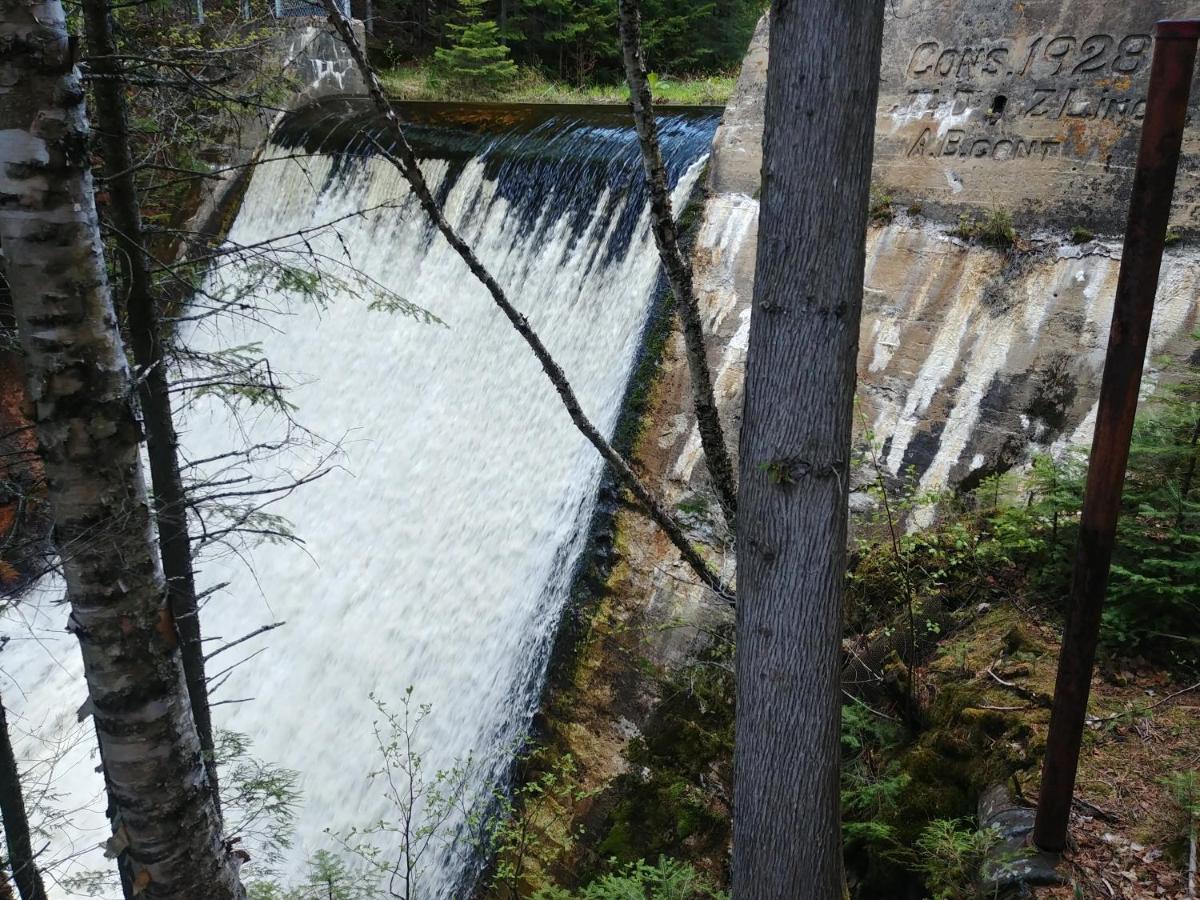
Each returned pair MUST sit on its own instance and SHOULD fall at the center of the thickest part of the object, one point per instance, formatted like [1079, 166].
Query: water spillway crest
[439, 550]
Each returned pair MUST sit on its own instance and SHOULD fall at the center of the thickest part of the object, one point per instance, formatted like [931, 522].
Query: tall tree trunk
[145, 337]
[145, 329]
[666, 236]
[403, 158]
[164, 811]
[16, 825]
[822, 86]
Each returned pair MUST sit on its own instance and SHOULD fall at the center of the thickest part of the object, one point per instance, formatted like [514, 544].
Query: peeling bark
[679, 273]
[145, 338]
[162, 804]
[822, 85]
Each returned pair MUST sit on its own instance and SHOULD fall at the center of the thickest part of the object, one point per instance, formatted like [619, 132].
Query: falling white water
[439, 553]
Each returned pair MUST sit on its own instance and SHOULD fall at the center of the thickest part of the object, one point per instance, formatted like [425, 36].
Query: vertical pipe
[1145, 233]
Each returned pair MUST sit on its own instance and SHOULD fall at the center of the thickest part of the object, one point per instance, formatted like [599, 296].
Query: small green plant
[778, 471]
[871, 785]
[1184, 788]
[1172, 238]
[667, 880]
[881, 211]
[949, 854]
[534, 823]
[396, 849]
[993, 230]
[1080, 235]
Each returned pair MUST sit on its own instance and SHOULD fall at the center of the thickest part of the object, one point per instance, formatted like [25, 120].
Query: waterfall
[439, 552]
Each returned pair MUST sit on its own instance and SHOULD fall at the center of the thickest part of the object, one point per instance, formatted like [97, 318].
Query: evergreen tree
[1154, 594]
[476, 59]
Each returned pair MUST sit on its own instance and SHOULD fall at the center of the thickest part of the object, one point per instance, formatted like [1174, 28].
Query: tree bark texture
[163, 810]
[145, 338]
[679, 273]
[16, 826]
[822, 88]
[401, 156]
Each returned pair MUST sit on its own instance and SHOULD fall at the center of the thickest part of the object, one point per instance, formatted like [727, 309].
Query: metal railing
[284, 8]
[281, 9]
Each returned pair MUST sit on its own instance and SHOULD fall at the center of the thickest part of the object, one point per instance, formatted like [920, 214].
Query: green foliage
[1184, 790]
[1154, 594]
[949, 854]
[575, 41]
[1029, 525]
[533, 825]
[881, 210]
[993, 230]
[328, 878]
[396, 849]
[673, 799]
[1080, 235]
[259, 799]
[872, 782]
[667, 880]
[476, 58]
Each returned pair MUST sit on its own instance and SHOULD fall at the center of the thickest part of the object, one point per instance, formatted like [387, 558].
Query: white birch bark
[164, 816]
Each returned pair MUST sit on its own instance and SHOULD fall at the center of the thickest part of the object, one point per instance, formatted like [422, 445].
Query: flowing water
[439, 550]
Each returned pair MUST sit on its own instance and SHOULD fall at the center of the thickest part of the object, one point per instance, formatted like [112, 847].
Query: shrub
[949, 854]
[668, 880]
[477, 59]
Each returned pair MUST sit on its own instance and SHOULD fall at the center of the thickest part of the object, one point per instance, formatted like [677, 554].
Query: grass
[419, 81]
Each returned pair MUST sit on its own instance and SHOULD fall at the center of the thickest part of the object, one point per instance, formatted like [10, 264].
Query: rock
[1014, 864]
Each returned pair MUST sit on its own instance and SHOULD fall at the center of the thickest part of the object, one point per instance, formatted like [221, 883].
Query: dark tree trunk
[822, 86]
[163, 807]
[145, 337]
[403, 158]
[16, 825]
[708, 419]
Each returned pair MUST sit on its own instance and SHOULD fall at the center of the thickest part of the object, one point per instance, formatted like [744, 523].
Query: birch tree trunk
[822, 87]
[16, 824]
[163, 809]
[679, 273]
[145, 339]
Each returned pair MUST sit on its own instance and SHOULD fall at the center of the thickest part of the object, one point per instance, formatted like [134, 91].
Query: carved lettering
[1047, 56]
[945, 63]
[997, 58]
[968, 59]
[1037, 105]
[923, 58]
[921, 144]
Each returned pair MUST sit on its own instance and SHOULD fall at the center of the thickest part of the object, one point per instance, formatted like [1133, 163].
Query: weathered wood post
[1145, 234]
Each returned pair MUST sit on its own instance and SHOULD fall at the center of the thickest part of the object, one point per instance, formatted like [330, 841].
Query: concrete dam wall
[972, 358]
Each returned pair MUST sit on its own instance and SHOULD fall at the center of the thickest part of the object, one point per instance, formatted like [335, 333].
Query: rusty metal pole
[1145, 234]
